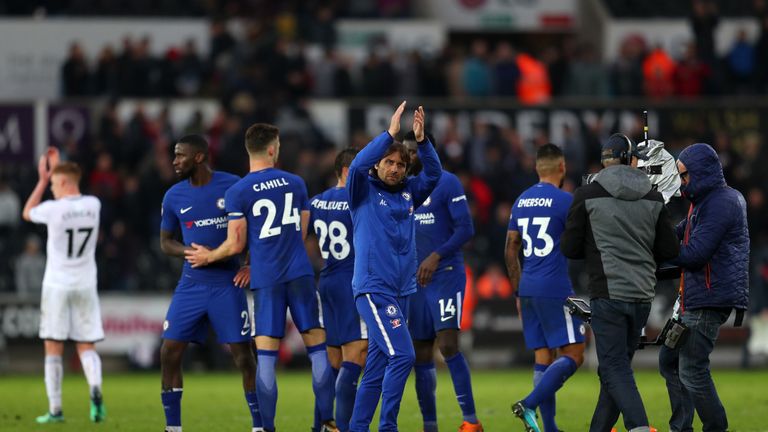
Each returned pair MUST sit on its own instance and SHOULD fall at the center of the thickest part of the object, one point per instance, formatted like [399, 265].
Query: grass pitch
[214, 402]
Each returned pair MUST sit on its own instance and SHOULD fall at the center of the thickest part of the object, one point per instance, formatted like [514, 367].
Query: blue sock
[551, 380]
[462, 384]
[547, 406]
[266, 386]
[318, 421]
[426, 384]
[172, 406]
[322, 380]
[346, 389]
[253, 406]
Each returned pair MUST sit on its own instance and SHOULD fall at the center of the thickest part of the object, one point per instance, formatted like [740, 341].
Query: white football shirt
[73, 228]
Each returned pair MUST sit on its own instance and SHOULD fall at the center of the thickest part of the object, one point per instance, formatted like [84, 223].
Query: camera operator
[714, 256]
[621, 227]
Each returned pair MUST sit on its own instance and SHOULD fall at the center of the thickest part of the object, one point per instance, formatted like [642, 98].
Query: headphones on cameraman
[624, 156]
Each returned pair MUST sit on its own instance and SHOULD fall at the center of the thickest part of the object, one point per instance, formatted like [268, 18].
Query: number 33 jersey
[272, 201]
[539, 216]
[73, 228]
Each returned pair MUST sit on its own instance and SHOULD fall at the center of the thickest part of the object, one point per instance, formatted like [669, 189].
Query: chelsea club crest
[220, 203]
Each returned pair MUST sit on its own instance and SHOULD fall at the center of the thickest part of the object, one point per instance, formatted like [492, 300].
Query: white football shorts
[70, 314]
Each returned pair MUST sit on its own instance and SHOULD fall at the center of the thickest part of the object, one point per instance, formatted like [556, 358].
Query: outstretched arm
[425, 182]
[200, 256]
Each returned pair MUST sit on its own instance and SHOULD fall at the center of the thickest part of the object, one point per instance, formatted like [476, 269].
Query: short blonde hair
[69, 169]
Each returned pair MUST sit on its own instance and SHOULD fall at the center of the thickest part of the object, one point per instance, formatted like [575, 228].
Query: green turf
[212, 402]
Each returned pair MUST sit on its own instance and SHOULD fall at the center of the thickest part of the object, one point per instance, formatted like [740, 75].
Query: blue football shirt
[199, 212]
[332, 223]
[442, 214]
[539, 216]
[272, 200]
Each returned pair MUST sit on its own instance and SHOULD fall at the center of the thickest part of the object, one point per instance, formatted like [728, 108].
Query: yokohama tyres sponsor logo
[220, 222]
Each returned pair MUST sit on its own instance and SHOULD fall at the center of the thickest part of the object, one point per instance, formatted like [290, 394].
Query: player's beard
[184, 174]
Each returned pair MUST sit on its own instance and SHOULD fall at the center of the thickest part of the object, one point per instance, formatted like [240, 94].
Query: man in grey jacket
[621, 227]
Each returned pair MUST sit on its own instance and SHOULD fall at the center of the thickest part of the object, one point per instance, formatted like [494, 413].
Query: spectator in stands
[761, 55]
[704, 21]
[741, 64]
[106, 76]
[476, 74]
[534, 87]
[29, 269]
[378, 75]
[627, 69]
[690, 74]
[10, 208]
[658, 74]
[506, 73]
[586, 75]
[75, 76]
[221, 44]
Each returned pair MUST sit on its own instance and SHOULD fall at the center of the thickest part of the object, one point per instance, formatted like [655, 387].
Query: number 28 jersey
[272, 200]
[332, 223]
[539, 215]
[73, 228]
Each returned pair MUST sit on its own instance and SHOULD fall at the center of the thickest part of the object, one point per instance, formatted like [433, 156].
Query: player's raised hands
[42, 169]
[418, 124]
[197, 255]
[394, 123]
[53, 157]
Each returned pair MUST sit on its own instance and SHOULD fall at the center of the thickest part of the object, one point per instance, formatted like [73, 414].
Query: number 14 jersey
[272, 201]
[539, 216]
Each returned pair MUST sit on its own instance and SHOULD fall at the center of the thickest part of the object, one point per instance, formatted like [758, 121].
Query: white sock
[92, 368]
[54, 372]
[173, 429]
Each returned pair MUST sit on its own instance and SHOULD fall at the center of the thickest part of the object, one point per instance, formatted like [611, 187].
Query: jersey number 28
[337, 232]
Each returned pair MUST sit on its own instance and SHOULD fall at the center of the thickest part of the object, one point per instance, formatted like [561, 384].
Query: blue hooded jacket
[384, 228]
[714, 253]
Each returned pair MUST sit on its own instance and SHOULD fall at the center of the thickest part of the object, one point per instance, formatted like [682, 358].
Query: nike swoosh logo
[446, 318]
[184, 210]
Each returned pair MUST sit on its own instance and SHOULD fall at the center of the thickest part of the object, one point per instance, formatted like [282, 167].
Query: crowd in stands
[266, 73]
[283, 57]
[128, 166]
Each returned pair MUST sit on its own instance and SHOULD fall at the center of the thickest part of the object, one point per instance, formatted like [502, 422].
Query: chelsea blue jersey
[272, 200]
[331, 221]
[539, 215]
[443, 223]
[199, 212]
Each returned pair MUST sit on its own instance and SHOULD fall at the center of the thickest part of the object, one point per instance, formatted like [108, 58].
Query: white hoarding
[516, 15]
[32, 51]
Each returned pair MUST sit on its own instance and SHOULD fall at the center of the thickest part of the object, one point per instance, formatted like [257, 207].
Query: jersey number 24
[290, 216]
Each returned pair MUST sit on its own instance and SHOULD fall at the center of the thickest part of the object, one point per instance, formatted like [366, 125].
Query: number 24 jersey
[272, 200]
